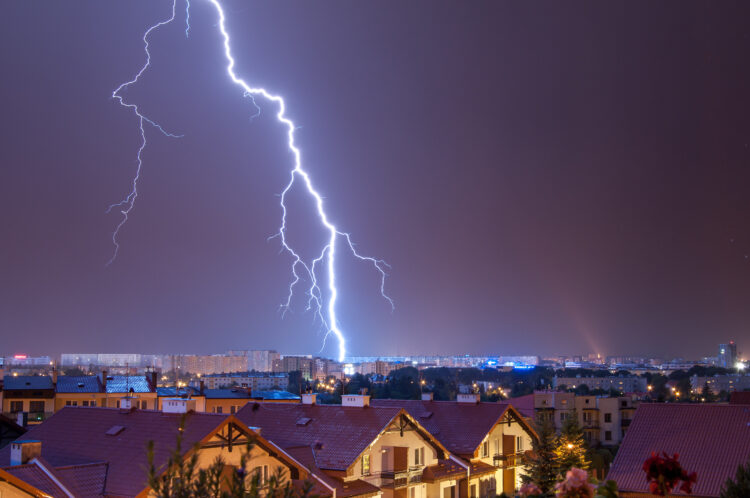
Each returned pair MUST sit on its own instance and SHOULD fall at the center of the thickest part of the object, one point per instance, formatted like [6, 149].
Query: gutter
[462, 464]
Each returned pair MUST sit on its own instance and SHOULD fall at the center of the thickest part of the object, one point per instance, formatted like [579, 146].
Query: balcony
[508, 461]
[402, 478]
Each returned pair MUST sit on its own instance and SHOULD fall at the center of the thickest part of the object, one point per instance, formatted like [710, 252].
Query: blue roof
[274, 395]
[172, 391]
[79, 384]
[226, 393]
[124, 384]
[27, 382]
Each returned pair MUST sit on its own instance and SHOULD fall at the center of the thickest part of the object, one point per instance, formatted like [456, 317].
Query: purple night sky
[558, 177]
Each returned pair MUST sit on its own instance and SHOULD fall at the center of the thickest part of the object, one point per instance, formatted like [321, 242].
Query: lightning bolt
[126, 205]
[300, 268]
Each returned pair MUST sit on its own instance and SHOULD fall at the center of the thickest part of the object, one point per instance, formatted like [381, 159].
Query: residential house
[231, 400]
[31, 396]
[710, 439]
[105, 390]
[491, 434]
[187, 392]
[362, 449]
[87, 452]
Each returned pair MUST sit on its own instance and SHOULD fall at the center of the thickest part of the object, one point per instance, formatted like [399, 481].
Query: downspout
[468, 470]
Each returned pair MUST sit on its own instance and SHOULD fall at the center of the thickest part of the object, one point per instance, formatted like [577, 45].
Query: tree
[740, 486]
[570, 447]
[539, 463]
[707, 394]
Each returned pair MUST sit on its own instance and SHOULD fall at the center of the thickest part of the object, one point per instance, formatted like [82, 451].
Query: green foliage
[570, 447]
[181, 477]
[739, 487]
[607, 490]
[539, 464]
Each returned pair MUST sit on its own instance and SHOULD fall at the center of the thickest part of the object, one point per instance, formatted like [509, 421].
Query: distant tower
[727, 357]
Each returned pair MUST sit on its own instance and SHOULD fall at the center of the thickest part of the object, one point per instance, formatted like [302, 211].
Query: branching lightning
[126, 205]
[325, 311]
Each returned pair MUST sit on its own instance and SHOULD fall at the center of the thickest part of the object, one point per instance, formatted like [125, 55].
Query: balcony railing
[403, 478]
[508, 461]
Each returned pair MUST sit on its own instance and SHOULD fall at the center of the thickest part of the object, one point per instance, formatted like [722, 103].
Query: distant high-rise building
[727, 357]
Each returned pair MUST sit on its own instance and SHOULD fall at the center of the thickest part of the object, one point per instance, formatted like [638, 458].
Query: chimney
[104, 380]
[360, 400]
[202, 386]
[309, 398]
[427, 396]
[54, 374]
[21, 452]
[468, 398]
[154, 379]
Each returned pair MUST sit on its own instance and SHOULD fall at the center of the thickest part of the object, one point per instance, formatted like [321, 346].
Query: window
[36, 406]
[67, 403]
[624, 404]
[85, 403]
[118, 403]
[219, 409]
[366, 465]
[519, 444]
[497, 446]
[144, 404]
[608, 435]
[419, 456]
[16, 406]
[473, 493]
[93, 403]
[231, 409]
[262, 473]
[607, 418]
[485, 449]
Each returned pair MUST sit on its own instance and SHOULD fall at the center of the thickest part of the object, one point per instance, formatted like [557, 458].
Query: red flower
[664, 473]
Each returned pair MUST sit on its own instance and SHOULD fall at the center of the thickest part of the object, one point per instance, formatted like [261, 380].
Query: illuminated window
[365, 465]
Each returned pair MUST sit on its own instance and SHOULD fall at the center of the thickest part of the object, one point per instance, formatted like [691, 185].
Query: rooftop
[711, 439]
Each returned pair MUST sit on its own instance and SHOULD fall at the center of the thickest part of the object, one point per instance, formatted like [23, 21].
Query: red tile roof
[444, 469]
[460, 427]
[336, 434]
[85, 480]
[77, 437]
[34, 475]
[334, 479]
[711, 440]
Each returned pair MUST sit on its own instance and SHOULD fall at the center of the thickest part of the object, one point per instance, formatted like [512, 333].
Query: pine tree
[539, 463]
[570, 447]
[740, 486]
[707, 393]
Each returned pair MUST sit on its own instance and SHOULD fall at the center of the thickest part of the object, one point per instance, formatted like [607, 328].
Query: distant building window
[36, 406]
[608, 435]
[16, 406]
[93, 403]
[144, 404]
[607, 418]
[232, 409]
[67, 403]
[85, 403]
[624, 404]
[365, 465]
[219, 409]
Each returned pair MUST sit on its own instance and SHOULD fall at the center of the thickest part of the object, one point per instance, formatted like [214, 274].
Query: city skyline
[571, 196]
